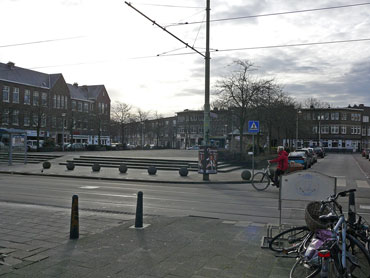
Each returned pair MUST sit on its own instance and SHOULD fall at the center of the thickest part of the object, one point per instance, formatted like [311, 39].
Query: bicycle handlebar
[333, 199]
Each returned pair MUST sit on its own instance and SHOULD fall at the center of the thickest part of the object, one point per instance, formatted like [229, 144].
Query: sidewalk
[168, 247]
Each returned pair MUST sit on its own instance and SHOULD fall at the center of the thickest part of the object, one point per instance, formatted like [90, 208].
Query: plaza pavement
[34, 240]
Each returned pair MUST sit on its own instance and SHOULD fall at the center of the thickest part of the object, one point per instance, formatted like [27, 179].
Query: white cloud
[112, 34]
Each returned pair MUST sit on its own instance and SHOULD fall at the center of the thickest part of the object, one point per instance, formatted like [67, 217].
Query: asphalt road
[230, 202]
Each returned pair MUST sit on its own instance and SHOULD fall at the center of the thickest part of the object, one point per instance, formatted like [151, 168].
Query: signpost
[253, 127]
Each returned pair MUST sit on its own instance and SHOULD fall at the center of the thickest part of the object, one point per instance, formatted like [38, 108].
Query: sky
[95, 42]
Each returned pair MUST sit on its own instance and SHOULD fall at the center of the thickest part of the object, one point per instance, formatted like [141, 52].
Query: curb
[129, 180]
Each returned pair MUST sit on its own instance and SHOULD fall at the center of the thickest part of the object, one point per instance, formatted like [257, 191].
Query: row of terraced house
[46, 106]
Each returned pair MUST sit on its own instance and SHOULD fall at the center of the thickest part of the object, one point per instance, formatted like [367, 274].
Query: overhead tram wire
[169, 6]
[263, 47]
[270, 14]
[37, 42]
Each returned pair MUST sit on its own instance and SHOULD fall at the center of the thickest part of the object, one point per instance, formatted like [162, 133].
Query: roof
[9, 72]
[85, 92]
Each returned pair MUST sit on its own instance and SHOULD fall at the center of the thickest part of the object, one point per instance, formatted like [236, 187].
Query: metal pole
[10, 148]
[206, 128]
[253, 157]
[296, 134]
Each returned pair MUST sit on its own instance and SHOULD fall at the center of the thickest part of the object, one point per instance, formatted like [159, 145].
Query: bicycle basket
[312, 214]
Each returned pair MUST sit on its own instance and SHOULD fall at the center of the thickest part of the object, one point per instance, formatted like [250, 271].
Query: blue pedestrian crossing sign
[253, 126]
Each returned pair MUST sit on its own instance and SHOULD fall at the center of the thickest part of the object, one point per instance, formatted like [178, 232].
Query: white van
[32, 144]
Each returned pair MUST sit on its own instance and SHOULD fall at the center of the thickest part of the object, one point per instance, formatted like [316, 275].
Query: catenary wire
[43, 41]
[271, 14]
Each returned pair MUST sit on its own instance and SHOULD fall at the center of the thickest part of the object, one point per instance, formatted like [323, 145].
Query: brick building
[45, 106]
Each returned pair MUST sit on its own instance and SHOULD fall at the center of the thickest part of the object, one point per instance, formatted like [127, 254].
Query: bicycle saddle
[329, 218]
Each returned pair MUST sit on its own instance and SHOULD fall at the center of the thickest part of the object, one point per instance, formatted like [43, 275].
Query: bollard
[351, 208]
[139, 210]
[75, 230]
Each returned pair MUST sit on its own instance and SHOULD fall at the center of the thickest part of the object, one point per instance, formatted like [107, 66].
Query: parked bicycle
[327, 246]
[261, 180]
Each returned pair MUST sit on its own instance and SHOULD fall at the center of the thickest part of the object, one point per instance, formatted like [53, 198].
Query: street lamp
[296, 134]
[225, 135]
[63, 116]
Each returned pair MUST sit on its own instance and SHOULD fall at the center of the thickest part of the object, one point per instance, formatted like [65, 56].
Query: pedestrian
[282, 161]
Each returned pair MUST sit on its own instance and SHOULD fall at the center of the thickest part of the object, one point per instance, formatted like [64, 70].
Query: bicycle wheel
[301, 270]
[290, 240]
[260, 181]
[358, 261]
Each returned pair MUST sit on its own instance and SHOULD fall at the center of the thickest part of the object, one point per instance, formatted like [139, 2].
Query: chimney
[11, 65]
[75, 84]
[361, 105]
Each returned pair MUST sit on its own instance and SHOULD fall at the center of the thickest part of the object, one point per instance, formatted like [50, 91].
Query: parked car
[308, 155]
[195, 147]
[314, 155]
[299, 157]
[365, 153]
[76, 147]
[319, 151]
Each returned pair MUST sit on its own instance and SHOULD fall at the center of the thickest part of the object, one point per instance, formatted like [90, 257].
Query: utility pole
[206, 128]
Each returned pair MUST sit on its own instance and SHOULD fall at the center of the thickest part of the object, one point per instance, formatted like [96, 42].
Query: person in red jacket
[282, 161]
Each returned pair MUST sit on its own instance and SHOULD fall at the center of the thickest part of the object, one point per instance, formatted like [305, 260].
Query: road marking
[89, 187]
[362, 184]
[341, 182]
[364, 207]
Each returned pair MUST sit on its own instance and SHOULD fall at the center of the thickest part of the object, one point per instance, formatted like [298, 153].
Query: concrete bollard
[75, 226]
[46, 165]
[122, 168]
[96, 167]
[351, 208]
[152, 170]
[183, 171]
[246, 175]
[70, 166]
[139, 210]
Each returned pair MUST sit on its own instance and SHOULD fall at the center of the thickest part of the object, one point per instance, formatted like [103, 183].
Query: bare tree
[142, 116]
[121, 113]
[240, 91]
[314, 103]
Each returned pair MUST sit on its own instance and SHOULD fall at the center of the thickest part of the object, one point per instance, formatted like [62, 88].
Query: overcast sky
[107, 42]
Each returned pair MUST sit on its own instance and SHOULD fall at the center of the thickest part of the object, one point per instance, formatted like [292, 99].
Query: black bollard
[75, 230]
[139, 210]
[351, 208]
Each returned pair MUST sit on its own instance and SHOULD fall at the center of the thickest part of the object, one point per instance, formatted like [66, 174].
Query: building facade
[46, 107]
[334, 128]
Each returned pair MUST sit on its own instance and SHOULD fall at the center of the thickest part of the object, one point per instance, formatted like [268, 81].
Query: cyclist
[282, 161]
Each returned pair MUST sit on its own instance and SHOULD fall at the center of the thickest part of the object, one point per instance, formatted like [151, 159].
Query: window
[326, 116]
[344, 130]
[62, 102]
[27, 97]
[35, 98]
[356, 117]
[344, 116]
[44, 99]
[26, 120]
[79, 105]
[35, 120]
[15, 95]
[15, 118]
[65, 102]
[314, 129]
[5, 118]
[365, 119]
[335, 115]
[86, 107]
[100, 109]
[334, 129]
[368, 131]
[307, 116]
[43, 120]
[58, 101]
[364, 131]
[73, 105]
[356, 130]
[6, 94]
[53, 122]
[324, 129]
[55, 101]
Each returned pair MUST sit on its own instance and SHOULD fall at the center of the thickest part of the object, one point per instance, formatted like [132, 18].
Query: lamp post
[63, 119]
[225, 135]
[296, 134]
[142, 135]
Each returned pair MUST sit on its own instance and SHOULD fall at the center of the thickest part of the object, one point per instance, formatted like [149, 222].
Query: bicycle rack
[273, 231]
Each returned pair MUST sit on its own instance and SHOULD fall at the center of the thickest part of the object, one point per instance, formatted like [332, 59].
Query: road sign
[253, 126]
